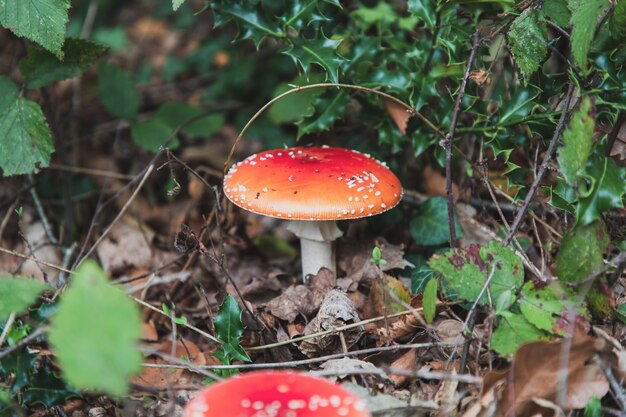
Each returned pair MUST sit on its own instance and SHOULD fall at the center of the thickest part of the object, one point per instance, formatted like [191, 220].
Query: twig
[23, 342]
[177, 363]
[7, 328]
[442, 376]
[616, 386]
[615, 131]
[89, 171]
[119, 215]
[542, 169]
[41, 213]
[37, 261]
[450, 137]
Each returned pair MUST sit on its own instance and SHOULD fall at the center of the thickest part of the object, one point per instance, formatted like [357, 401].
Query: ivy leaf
[512, 332]
[251, 21]
[16, 294]
[546, 307]
[466, 270]
[606, 192]
[429, 301]
[117, 91]
[527, 36]
[322, 52]
[431, 226]
[333, 109]
[581, 252]
[585, 14]
[42, 68]
[41, 21]
[25, 139]
[577, 142]
[229, 329]
[92, 314]
[176, 4]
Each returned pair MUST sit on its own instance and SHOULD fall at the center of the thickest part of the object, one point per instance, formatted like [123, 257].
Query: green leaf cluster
[229, 329]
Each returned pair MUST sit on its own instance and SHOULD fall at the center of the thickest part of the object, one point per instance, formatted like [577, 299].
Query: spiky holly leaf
[229, 329]
[322, 52]
[251, 20]
[327, 110]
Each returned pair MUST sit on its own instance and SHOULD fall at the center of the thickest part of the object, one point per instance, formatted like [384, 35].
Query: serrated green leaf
[296, 106]
[608, 186]
[229, 329]
[429, 302]
[424, 10]
[466, 270]
[174, 114]
[557, 11]
[331, 110]
[617, 24]
[577, 142]
[549, 308]
[430, 226]
[25, 139]
[176, 4]
[16, 294]
[42, 68]
[527, 36]
[585, 15]
[513, 331]
[41, 21]
[95, 333]
[519, 106]
[252, 22]
[581, 252]
[151, 134]
[322, 52]
[117, 91]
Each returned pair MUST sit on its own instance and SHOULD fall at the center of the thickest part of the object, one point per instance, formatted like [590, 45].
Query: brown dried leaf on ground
[341, 369]
[396, 298]
[434, 183]
[535, 375]
[355, 259]
[126, 245]
[337, 310]
[302, 299]
[400, 329]
[407, 362]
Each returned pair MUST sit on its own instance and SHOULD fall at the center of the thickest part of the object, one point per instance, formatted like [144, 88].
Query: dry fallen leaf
[355, 259]
[125, 246]
[535, 374]
[408, 362]
[396, 292]
[480, 76]
[340, 369]
[337, 310]
[399, 114]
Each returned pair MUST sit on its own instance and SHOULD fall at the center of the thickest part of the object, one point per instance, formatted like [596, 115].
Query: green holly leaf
[41, 21]
[581, 252]
[466, 270]
[328, 109]
[429, 301]
[585, 15]
[557, 11]
[48, 389]
[17, 293]
[95, 333]
[42, 68]
[550, 308]
[513, 331]
[296, 106]
[430, 227]
[577, 142]
[25, 139]
[322, 52]
[252, 22]
[608, 186]
[527, 36]
[424, 10]
[229, 329]
[117, 91]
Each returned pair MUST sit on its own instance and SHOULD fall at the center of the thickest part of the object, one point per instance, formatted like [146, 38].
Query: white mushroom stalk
[316, 244]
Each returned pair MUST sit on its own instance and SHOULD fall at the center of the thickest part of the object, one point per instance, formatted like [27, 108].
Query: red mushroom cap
[275, 394]
[312, 184]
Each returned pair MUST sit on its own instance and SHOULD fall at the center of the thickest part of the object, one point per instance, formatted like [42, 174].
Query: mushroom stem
[316, 239]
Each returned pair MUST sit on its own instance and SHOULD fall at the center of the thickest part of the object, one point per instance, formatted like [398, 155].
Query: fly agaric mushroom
[275, 394]
[313, 188]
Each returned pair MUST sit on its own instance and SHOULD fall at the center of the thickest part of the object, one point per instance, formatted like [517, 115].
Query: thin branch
[23, 342]
[37, 261]
[448, 140]
[542, 169]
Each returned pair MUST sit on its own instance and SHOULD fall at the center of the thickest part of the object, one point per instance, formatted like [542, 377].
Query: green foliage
[151, 134]
[618, 21]
[429, 302]
[176, 4]
[513, 331]
[16, 294]
[41, 21]
[174, 114]
[606, 191]
[296, 106]
[465, 271]
[593, 408]
[557, 11]
[581, 252]
[577, 143]
[25, 139]
[585, 15]
[528, 35]
[92, 314]
[421, 274]
[377, 257]
[42, 68]
[322, 52]
[229, 329]
[430, 226]
[327, 110]
[117, 91]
